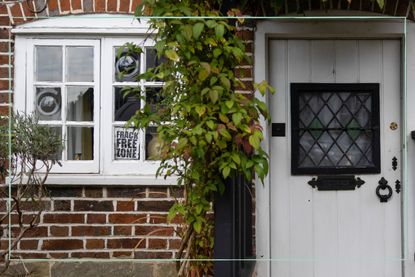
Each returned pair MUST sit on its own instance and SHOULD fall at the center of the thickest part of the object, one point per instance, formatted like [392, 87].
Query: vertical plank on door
[301, 197]
[391, 94]
[325, 202]
[280, 203]
[372, 216]
[348, 204]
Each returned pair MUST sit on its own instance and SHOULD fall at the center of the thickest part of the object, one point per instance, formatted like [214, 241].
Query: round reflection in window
[127, 66]
[48, 102]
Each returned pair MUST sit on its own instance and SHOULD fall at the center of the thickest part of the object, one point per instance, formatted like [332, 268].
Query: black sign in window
[335, 128]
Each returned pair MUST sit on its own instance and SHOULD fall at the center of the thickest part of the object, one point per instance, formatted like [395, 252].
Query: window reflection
[80, 143]
[48, 103]
[125, 107]
[80, 64]
[80, 103]
[49, 63]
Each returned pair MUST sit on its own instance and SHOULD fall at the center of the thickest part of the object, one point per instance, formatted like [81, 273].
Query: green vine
[208, 133]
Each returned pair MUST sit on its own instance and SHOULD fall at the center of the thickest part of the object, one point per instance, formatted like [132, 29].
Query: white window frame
[104, 32]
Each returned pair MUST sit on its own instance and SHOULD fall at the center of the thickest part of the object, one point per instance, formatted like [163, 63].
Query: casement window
[335, 128]
[72, 80]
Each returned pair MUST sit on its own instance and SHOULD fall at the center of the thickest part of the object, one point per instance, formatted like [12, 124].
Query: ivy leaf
[211, 24]
[381, 3]
[254, 141]
[226, 171]
[217, 52]
[198, 29]
[219, 31]
[200, 110]
[225, 82]
[213, 94]
[172, 55]
[203, 74]
[236, 118]
[197, 225]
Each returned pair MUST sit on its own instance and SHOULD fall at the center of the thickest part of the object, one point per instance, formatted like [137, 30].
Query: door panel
[334, 233]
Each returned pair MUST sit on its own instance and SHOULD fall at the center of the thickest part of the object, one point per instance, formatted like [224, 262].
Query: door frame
[339, 28]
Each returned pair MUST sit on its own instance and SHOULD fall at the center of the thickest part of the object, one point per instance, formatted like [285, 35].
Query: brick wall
[85, 221]
[101, 222]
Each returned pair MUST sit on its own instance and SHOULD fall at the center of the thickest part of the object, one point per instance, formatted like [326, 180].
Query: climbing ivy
[207, 132]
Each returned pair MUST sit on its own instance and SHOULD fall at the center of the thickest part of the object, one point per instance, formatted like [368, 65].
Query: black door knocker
[383, 185]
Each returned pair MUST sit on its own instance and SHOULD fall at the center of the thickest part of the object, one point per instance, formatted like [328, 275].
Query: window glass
[48, 63]
[48, 103]
[80, 103]
[80, 64]
[335, 128]
[80, 143]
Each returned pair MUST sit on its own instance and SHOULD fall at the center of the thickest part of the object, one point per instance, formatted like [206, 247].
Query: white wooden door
[335, 233]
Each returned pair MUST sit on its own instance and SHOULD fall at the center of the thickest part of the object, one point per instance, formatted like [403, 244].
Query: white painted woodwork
[334, 233]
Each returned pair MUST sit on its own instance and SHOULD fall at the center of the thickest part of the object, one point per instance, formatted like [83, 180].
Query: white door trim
[341, 28]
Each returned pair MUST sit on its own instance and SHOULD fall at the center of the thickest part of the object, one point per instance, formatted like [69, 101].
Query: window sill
[109, 180]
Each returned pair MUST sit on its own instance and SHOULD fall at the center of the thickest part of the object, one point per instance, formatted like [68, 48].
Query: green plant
[33, 152]
[208, 132]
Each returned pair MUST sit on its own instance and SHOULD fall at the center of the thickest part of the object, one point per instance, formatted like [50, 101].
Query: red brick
[122, 254]
[152, 255]
[177, 219]
[59, 231]
[93, 192]
[174, 243]
[22, 255]
[4, 71]
[125, 206]
[53, 6]
[62, 244]
[76, 4]
[62, 205]
[28, 13]
[156, 206]
[91, 231]
[96, 218]
[122, 230]
[58, 255]
[63, 218]
[157, 193]
[153, 231]
[65, 192]
[5, 85]
[39, 231]
[124, 6]
[86, 205]
[96, 255]
[176, 192]
[28, 244]
[245, 34]
[4, 59]
[95, 244]
[100, 5]
[134, 5]
[111, 5]
[17, 14]
[126, 243]
[157, 218]
[243, 72]
[157, 243]
[127, 218]
[127, 192]
[4, 20]
[65, 6]
[249, 47]
[4, 33]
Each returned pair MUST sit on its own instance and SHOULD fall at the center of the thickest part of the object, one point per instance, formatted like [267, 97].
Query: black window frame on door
[351, 89]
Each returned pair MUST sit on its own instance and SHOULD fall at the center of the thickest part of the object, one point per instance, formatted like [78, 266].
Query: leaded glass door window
[335, 128]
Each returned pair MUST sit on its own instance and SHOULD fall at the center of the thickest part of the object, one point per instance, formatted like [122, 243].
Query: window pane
[80, 103]
[125, 107]
[49, 63]
[57, 131]
[48, 103]
[126, 144]
[151, 58]
[80, 143]
[80, 64]
[153, 144]
[127, 65]
[153, 98]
